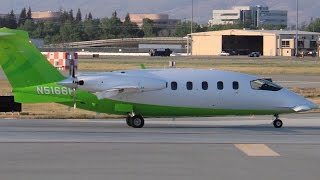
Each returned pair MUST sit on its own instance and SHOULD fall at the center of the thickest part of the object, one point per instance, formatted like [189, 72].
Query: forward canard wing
[117, 90]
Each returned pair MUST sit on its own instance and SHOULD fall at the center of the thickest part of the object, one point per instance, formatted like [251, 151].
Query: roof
[254, 32]
[285, 32]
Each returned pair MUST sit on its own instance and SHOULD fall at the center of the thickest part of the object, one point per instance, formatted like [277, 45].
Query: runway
[187, 148]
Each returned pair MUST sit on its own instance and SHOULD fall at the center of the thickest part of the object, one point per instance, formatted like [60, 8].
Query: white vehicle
[223, 53]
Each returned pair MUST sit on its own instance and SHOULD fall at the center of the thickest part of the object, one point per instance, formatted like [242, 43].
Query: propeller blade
[74, 98]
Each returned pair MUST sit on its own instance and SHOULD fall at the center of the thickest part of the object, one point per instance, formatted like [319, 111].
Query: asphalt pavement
[187, 148]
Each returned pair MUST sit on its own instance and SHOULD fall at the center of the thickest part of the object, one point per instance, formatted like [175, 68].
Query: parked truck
[160, 52]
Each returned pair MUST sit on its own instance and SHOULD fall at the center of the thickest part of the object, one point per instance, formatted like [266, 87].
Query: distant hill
[180, 9]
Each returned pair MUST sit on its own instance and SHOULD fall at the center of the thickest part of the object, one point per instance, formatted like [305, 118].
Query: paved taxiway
[188, 148]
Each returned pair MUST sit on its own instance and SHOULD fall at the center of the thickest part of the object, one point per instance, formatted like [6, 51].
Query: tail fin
[21, 61]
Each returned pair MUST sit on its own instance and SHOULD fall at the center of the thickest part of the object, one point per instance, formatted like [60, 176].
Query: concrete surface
[187, 148]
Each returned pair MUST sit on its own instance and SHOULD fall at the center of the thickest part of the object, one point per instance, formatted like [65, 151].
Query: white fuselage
[156, 89]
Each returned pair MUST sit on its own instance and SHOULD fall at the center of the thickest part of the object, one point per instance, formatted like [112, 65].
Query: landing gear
[135, 121]
[128, 120]
[277, 123]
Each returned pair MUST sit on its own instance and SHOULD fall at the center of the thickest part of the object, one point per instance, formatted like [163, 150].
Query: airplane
[142, 93]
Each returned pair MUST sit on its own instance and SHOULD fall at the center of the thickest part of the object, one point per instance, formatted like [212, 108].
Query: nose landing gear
[277, 123]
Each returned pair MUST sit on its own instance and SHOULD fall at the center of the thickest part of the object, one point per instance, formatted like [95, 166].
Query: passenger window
[235, 85]
[189, 85]
[220, 85]
[262, 84]
[205, 85]
[174, 85]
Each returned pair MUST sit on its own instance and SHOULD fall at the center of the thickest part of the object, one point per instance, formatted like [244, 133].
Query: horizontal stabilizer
[6, 34]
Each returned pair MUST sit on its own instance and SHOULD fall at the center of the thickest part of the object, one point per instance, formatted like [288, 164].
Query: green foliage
[10, 20]
[225, 27]
[71, 31]
[69, 28]
[91, 30]
[130, 29]
[184, 28]
[273, 27]
[28, 26]
[22, 17]
[78, 16]
[90, 16]
[29, 14]
[314, 26]
[148, 28]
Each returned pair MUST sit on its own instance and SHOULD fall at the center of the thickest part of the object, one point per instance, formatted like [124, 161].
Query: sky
[177, 9]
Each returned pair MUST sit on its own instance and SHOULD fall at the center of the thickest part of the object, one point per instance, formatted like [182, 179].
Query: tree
[91, 29]
[2, 22]
[114, 14]
[51, 32]
[10, 20]
[22, 17]
[78, 16]
[273, 27]
[64, 17]
[314, 26]
[90, 16]
[111, 27]
[38, 31]
[29, 14]
[69, 31]
[182, 29]
[130, 29]
[71, 17]
[28, 26]
[237, 25]
[148, 28]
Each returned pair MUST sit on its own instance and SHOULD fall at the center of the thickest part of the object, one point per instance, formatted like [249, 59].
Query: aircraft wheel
[137, 121]
[128, 121]
[277, 123]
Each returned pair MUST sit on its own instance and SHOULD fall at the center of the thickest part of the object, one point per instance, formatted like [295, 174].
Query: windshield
[263, 84]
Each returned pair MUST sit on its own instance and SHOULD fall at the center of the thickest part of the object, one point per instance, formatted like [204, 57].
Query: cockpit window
[263, 84]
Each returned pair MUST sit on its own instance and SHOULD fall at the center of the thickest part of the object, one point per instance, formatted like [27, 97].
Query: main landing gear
[135, 120]
[277, 123]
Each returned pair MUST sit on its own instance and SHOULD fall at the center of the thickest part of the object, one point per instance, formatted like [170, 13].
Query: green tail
[21, 61]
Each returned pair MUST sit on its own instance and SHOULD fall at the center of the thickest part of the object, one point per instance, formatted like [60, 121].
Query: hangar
[243, 42]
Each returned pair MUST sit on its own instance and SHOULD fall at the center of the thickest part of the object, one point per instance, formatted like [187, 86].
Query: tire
[128, 121]
[277, 123]
[137, 121]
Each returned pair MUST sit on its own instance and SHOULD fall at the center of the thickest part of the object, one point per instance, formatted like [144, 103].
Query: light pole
[191, 28]
[297, 24]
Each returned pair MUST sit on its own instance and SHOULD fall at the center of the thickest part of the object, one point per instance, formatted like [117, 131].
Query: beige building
[46, 15]
[160, 20]
[242, 42]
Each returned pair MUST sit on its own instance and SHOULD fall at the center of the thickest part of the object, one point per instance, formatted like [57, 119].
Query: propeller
[72, 82]
[72, 73]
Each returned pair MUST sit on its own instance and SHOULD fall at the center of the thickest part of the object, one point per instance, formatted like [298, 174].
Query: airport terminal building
[242, 42]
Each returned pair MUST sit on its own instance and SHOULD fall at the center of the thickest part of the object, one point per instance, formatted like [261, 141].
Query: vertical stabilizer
[22, 62]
